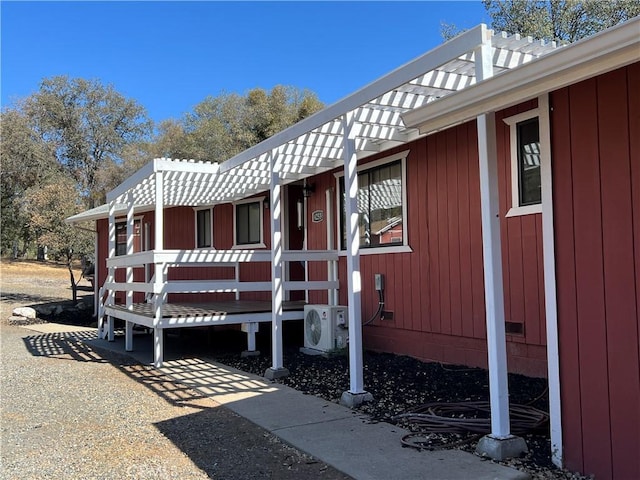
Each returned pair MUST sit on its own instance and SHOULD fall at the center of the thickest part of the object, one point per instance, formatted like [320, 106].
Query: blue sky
[169, 56]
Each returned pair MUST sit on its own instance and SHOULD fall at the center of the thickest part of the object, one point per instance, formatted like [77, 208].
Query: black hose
[380, 307]
[467, 417]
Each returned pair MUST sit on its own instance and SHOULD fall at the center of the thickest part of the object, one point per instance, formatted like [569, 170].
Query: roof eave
[606, 51]
[102, 212]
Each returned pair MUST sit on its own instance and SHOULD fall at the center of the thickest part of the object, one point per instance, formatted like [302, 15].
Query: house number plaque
[317, 216]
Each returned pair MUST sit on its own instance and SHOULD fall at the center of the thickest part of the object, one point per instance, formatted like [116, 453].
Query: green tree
[223, 126]
[26, 160]
[46, 207]
[560, 20]
[88, 125]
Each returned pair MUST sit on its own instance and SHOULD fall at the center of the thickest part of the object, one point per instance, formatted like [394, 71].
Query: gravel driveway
[68, 412]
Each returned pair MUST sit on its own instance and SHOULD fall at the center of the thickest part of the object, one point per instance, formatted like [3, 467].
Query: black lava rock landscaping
[401, 384]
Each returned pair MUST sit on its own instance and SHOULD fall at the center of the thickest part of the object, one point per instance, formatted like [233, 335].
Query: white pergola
[364, 123]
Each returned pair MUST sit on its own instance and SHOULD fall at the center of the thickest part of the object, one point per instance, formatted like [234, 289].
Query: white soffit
[315, 144]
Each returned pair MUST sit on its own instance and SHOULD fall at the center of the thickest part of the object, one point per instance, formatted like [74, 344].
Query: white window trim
[543, 124]
[195, 224]
[136, 218]
[260, 244]
[404, 248]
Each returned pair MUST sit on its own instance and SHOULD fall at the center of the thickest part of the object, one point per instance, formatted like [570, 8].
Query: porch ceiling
[315, 144]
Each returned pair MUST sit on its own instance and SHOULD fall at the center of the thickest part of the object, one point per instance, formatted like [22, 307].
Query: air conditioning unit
[325, 327]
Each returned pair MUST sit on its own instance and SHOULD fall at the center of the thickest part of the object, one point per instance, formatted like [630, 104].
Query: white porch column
[277, 369]
[500, 444]
[158, 298]
[356, 393]
[111, 270]
[494, 290]
[128, 337]
[332, 267]
[96, 286]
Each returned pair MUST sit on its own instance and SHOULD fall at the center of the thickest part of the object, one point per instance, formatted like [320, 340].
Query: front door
[295, 237]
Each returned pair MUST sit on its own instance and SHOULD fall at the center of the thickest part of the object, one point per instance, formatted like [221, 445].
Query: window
[248, 223]
[528, 140]
[121, 237]
[203, 228]
[381, 204]
[526, 180]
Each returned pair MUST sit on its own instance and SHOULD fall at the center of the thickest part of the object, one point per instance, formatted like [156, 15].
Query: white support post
[147, 247]
[111, 272]
[332, 293]
[250, 328]
[356, 393]
[128, 342]
[158, 299]
[96, 286]
[500, 444]
[277, 369]
[305, 240]
[158, 226]
[237, 277]
[551, 306]
[494, 290]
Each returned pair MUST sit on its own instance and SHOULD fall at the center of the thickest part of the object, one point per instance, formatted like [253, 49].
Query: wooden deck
[228, 307]
[176, 315]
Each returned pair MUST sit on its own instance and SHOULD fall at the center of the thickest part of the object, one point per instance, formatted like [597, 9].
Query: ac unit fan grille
[313, 327]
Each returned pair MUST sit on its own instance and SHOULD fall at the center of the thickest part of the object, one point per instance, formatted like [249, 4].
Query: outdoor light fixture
[307, 190]
[300, 212]
[267, 202]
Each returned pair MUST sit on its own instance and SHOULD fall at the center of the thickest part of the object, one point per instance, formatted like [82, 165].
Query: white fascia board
[102, 211]
[454, 48]
[606, 51]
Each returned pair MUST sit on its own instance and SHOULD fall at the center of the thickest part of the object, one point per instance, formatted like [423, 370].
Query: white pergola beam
[435, 58]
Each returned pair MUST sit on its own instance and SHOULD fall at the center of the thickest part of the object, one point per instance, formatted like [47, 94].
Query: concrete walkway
[331, 433]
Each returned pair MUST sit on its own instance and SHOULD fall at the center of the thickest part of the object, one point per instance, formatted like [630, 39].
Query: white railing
[158, 286]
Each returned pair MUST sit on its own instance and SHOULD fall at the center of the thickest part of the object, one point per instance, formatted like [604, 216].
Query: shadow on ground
[218, 440]
[35, 300]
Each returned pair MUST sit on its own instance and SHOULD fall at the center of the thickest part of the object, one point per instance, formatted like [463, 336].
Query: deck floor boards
[228, 307]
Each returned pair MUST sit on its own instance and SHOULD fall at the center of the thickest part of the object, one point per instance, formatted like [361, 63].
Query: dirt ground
[51, 431]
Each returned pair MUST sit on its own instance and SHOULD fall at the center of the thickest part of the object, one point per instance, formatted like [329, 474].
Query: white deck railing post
[111, 270]
[128, 342]
[160, 273]
[356, 394]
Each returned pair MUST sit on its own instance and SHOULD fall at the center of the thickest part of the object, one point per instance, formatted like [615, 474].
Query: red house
[493, 183]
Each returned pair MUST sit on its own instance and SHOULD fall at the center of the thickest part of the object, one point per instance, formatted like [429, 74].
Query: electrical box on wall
[379, 281]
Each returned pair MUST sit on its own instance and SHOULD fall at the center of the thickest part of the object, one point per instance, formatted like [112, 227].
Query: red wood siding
[596, 163]
[436, 292]
[521, 237]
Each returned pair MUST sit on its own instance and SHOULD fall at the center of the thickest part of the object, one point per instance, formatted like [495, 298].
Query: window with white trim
[526, 183]
[204, 228]
[382, 213]
[247, 222]
[121, 237]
